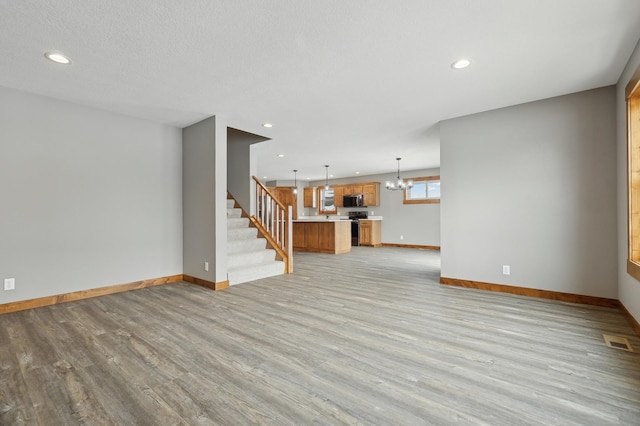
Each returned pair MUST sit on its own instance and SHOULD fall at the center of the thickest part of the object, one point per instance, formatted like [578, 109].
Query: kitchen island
[322, 236]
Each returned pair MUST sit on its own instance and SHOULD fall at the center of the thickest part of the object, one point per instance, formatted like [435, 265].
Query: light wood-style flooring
[367, 337]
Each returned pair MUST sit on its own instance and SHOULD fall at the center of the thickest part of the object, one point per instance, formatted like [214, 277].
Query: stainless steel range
[355, 217]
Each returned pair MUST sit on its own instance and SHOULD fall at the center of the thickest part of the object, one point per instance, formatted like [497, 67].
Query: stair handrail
[274, 219]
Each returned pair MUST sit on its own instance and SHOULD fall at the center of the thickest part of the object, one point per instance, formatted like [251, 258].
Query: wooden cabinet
[322, 236]
[369, 190]
[310, 197]
[305, 235]
[370, 233]
[314, 198]
[285, 195]
[356, 188]
[365, 233]
[371, 194]
[338, 193]
[327, 237]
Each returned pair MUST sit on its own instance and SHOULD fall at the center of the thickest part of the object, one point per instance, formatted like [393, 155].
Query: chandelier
[400, 184]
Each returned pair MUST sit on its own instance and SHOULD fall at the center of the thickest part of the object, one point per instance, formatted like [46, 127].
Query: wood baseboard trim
[533, 292]
[208, 284]
[85, 294]
[413, 246]
[634, 322]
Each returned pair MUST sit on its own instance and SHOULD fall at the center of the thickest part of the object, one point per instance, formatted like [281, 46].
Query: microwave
[355, 200]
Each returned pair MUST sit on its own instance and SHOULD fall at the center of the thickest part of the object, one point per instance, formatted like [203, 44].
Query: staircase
[248, 258]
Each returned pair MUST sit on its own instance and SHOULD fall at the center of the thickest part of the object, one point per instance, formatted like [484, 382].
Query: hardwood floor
[367, 337]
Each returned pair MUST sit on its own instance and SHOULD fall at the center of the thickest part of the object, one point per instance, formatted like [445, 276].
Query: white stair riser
[255, 272]
[249, 258]
[251, 244]
[230, 204]
[234, 212]
[237, 222]
[241, 233]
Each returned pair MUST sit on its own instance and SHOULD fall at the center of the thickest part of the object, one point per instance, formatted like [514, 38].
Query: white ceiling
[352, 84]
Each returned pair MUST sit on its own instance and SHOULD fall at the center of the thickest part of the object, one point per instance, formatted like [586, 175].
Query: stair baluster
[274, 220]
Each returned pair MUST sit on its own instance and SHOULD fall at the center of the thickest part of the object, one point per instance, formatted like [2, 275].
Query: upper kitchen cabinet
[371, 194]
[338, 193]
[369, 190]
[328, 201]
[354, 188]
[310, 197]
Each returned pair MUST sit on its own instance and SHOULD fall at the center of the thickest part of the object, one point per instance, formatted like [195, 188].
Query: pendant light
[326, 185]
[400, 184]
[295, 181]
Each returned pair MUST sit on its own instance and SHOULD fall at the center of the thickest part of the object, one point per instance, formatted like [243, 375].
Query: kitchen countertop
[332, 218]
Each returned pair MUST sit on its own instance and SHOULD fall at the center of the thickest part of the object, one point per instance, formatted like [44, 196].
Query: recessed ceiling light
[57, 57]
[280, 155]
[264, 177]
[461, 63]
[267, 125]
[357, 173]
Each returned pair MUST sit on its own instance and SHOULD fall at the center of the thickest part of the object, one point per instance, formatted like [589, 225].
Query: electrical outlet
[206, 266]
[506, 269]
[9, 283]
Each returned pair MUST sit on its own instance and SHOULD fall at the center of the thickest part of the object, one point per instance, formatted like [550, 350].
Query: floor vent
[617, 342]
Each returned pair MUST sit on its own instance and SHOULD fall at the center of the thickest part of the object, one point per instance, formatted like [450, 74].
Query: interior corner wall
[241, 166]
[89, 198]
[253, 171]
[530, 186]
[220, 199]
[238, 171]
[628, 287]
[204, 183]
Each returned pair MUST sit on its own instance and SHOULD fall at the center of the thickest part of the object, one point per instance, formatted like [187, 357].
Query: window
[425, 190]
[632, 93]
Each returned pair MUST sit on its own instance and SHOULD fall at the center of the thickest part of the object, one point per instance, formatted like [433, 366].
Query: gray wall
[531, 186]
[89, 198]
[204, 182]
[628, 287]
[418, 224]
[241, 165]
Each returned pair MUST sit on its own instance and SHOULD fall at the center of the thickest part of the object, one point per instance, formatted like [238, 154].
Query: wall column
[204, 147]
